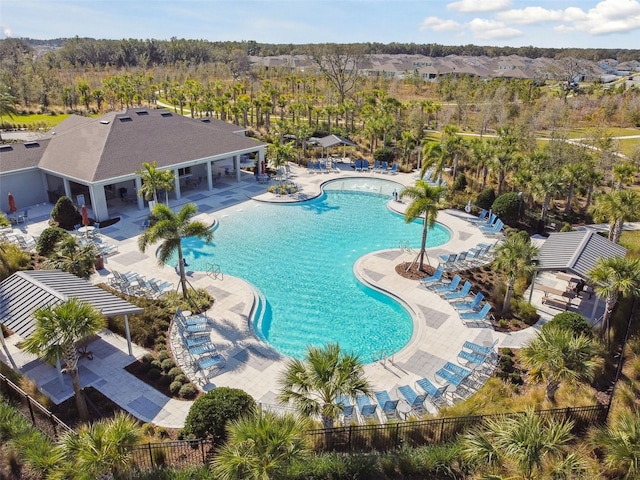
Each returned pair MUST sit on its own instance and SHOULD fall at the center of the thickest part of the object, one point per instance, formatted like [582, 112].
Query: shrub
[460, 183]
[162, 356]
[486, 198]
[174, 372]
[147, 358]
[161, 347]
[154, 374]
[209, 414]
[188, 391]
[198, 301]
[384, 154]
[182, 378]
[175, 387]
[168, 364]
[527, 312]
[572, 321]
[157, 364]
[65, 213]
[144, 367]
[48, 239]
[506, 206]
[164, 380]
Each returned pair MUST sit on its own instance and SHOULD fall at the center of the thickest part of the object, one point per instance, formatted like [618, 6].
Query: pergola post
[59, 370]
[595, 307]
[6, 351]
[128, 334]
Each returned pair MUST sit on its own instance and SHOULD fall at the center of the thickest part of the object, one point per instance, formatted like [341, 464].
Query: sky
[515, 23]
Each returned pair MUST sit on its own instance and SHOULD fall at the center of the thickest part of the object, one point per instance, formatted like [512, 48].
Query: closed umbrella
[12, 203]
[85, 219]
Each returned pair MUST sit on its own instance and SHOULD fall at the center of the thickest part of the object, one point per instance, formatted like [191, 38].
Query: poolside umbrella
[85, 218]
[12, 203]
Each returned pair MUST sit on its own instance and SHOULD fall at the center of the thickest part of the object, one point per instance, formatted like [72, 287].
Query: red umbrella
[12, 203]
[85, 216]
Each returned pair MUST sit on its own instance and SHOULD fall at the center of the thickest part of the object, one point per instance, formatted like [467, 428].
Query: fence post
[150, 454]
[397, 433]
[204, 460]
[441, 430]
[33, 418]
[350, 436]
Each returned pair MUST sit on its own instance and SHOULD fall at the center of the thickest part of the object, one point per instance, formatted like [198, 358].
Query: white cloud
[6, 31]
[530, 15]
[472, 6]
[439, 24]
[491, 29]
[608, 16]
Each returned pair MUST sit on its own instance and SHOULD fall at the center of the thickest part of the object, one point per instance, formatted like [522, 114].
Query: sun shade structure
[24, 292]
[576, 252]
[333, 140]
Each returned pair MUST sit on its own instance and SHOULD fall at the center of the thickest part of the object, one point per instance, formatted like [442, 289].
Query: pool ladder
[214, 271]
[405, 248]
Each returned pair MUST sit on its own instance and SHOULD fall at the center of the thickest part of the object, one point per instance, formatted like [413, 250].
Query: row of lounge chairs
[455, 380]
[102, 247]
[198, 353]
[470, 308]
[26, 244]
[322, 166]
[474, 257]
[130, 283]
[488, 222]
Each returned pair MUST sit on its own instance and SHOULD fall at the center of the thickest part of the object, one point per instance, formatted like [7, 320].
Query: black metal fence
[176, 454]
[40, 417]
[389, 436]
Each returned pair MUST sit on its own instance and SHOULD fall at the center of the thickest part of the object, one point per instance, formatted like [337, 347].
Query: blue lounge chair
[384, 167]
[493, 229]
[434, 394]
[415, 401]
[394, 168]
[387, 406]
[365, 165]
[215, 361]
[471, 358]
[358, 165]
[376, 166]
[348, 412]
[488, 221]
[473, 305]
[480, 349]
[449, 377]
[202, 349]
[435, 278]
[458, 294]
[322, 166]
[479, 316]
[449, 287]
[196, 340]
[309, 166]
[480, 218]
[366, 408]
[461, 372]
[448, 258]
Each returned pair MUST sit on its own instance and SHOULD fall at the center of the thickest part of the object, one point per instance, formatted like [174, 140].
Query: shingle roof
[20, 156]
[576, 252]
[116, 144]
[332, 140]
[24, 292]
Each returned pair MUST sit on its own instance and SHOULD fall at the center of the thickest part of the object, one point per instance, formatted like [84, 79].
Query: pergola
[576, 253]
[24, 292]
[333, 140]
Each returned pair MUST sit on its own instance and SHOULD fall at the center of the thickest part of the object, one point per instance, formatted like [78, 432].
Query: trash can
[99, 262]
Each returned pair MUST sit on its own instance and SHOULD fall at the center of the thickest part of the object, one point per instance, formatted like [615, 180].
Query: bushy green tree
[571, 321]
[209, 414]
[506, 206]
[48, 239]
[65, 213]
[486, 198]
[384, 154]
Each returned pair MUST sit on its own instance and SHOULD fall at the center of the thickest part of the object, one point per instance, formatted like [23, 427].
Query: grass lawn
[50, 120]
[630, 240]
[629, 146]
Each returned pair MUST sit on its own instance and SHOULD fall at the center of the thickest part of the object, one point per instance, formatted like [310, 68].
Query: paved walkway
[252, 365]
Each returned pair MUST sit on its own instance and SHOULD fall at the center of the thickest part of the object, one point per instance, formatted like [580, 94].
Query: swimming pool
[301, 257]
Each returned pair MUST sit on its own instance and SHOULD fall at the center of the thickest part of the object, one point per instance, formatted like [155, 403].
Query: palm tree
[73, 257]
[624, 173]
[58, 330]
[621, 444]
[617, 207]
[279, 154]
[614, 276]
[261, 446]
[172, 228]
[434, 154]
[315, 383]
[525, 441]
[100, 449]
[154, 180]
[515, 258]
[424, 203]
[547, 186]
[557, 355]
[7, 105]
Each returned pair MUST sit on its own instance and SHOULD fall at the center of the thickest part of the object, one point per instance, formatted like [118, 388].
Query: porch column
[67, 188]
[98, 202]
[176, 183]
[236, 166]
[138, 183]
[209, 176]
[127, 334]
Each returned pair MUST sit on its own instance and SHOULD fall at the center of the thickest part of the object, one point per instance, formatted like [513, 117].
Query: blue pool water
[301, 257]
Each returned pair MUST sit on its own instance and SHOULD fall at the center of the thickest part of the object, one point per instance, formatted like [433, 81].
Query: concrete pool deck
[252, 365]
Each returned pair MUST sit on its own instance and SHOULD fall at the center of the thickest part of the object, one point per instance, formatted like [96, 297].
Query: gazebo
[576, 253]
[24, 292]
[333, 140]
